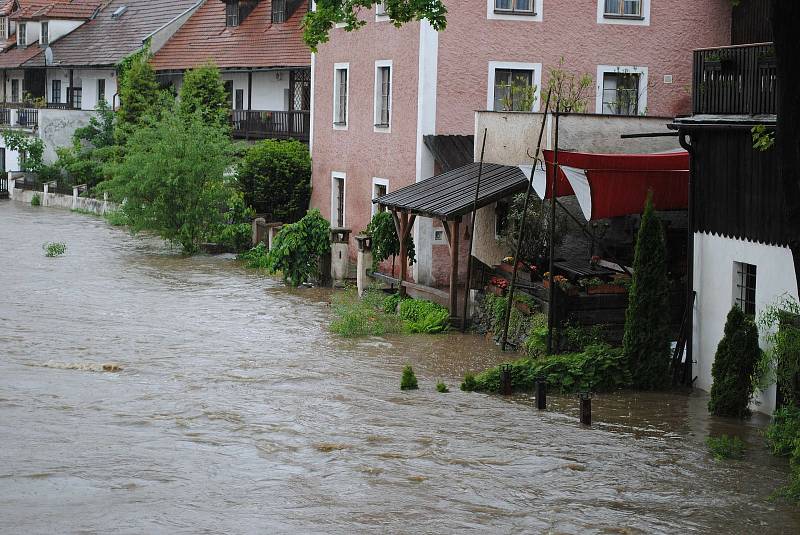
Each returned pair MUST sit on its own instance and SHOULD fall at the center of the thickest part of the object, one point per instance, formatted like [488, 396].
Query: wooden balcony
[266, 124]
[735, 80]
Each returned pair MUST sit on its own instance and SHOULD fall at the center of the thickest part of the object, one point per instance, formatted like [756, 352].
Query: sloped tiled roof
[104, 41]
[75, 10]
[6, 7]
[30, 8]
[16, 57]
[257, 42]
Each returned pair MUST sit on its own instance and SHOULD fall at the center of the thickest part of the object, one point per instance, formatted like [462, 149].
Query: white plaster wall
[269, 93]
[56, 128]
[12, 158]
[714, 280]
[60, 28]
[32, 32]
[89, 83]
[63, 75]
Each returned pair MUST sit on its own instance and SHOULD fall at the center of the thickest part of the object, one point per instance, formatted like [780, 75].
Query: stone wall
[56, 128]
[67, 202]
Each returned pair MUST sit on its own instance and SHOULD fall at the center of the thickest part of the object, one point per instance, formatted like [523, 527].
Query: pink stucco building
[379, 91]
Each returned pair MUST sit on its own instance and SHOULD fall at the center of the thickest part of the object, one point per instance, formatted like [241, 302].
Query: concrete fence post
[258, 232]
[105, 203]
[363, 262]
[340, 254]
[12, 117]
[44, 194]
[272, 231]
[74, 198]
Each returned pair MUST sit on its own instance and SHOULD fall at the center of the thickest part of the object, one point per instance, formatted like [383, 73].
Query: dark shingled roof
[452, 194]
[451, 151]
[104, 41]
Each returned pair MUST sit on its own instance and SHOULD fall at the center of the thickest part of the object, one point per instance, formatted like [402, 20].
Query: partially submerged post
[586, 408]
[340, 254]
[363, 262]
[505, 379]
[541, 393]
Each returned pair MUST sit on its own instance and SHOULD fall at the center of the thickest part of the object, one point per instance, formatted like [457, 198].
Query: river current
[145, 392]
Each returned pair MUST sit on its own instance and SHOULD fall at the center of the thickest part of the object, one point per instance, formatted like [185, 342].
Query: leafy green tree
[298, 247]
[171, 180]
[735, 362]
[317, 24]
[203, 91]
[31, 147]
[275, 177]
[140, 96]
[385, 242]
[646, 339]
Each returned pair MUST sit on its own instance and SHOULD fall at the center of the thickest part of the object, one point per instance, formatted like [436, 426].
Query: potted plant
[561, 282]
[497, 286]
[595, 286]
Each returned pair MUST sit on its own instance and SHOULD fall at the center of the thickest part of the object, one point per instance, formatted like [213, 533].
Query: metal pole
[472, 236]
[553, 196]
[512, 287]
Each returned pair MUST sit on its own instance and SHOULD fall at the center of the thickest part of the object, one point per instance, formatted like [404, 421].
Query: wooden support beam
[454, 241]
[403, 223]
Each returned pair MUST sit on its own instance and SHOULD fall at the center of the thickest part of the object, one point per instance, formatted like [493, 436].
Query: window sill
[339, 124]
[622, 17]
[515, 13]
[381, 125]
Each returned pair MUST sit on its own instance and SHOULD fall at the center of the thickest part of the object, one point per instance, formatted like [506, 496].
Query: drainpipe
[250, 90]
[688, 371]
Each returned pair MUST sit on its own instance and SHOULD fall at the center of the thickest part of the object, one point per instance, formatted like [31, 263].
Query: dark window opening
[239, 99]
[45, 33]
[279, 11]
[745, 289]
[385, 81]
[513, 90]
[77, 97]
[339, 182]
[621, 93]
[55, 95]
[514, 7]
[101, 90]
[501, 217]
[623, 8]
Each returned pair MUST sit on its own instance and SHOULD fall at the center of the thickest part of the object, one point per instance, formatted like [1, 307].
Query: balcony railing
[20, 117]
[265, 124]
[737, 80]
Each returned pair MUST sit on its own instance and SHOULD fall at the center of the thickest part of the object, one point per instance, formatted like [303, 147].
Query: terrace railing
[265, 124]
[5, 117]
[28, 117]
[736, 80]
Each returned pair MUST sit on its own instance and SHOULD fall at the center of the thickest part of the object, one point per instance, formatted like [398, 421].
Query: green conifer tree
[734, 366]
[203, 91]
[646, 339]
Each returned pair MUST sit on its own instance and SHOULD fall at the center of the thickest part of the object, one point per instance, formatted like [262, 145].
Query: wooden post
[452, 233]
[403, 222]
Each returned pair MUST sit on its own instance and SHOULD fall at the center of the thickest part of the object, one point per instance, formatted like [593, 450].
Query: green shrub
[36, 200]
[519, 323]
[780, 363]
[725, 447]
[470, 384]
[391, 303]
[442, 388]
[298, 247]
[409, 380]
[256, 258]
[424, 316]
[54, 249]
[536, 343]
[646, 339]
[203, 92]
[385, 242]
[734, 367]
[598, 368]
[275, 177]
[116, 218]
[783, 438]
[356, 317]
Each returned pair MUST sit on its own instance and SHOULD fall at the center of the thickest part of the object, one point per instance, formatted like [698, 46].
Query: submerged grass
[116, 218]
[53, 249]
[363, 317]
[724, 447]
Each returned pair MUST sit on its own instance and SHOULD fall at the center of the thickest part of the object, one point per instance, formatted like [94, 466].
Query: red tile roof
[31, 8]
[257, 42]
[76, 10]
[15, 57]
[6, 7]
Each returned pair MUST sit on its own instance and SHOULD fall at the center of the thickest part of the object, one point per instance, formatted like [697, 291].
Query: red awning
[612, 185]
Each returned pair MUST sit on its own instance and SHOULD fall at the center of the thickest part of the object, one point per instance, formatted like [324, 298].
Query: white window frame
[736, 290]
[4, 27]
[336, 68]
[644, 20]
[380, 13]
[376, 96]
[42, 33]
[620, 69]
[20, 38]
[336, 175]
[377, 182]
[537, 81]
[536, 16]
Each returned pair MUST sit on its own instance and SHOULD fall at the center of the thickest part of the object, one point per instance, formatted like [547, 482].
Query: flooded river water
[237, 412]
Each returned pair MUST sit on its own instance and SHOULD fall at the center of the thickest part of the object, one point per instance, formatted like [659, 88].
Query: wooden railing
[265, 124]
[736, 80]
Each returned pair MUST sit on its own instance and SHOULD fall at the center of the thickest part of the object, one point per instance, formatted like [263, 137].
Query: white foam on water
[83, 366]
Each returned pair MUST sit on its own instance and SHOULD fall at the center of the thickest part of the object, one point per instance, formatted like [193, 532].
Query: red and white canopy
[613, 185]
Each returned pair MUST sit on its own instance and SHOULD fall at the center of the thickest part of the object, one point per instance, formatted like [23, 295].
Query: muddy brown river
[236, 411]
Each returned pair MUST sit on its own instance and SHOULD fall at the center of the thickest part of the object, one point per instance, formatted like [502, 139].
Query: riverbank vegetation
[724, 447]
[377, 314]
[53, 249]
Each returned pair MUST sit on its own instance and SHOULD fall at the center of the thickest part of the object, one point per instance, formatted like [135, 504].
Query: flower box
[496, 290]
[606, 289]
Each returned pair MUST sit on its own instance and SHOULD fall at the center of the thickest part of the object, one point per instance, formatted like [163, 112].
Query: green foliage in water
[724, 447]
[173, 180]
[442, 388]
[734, 367]
[470, 384]
[356, 317]
[391, 303]
[646, 339]
[409, 380]
[235, 234]
[298, 248]
[535, 344]
[385, 242]
[36, 200]
[256, 258]
[424, 316]
[597, 368]
[275, 177]
[116, 218]
[783, 438]
[53, 249]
